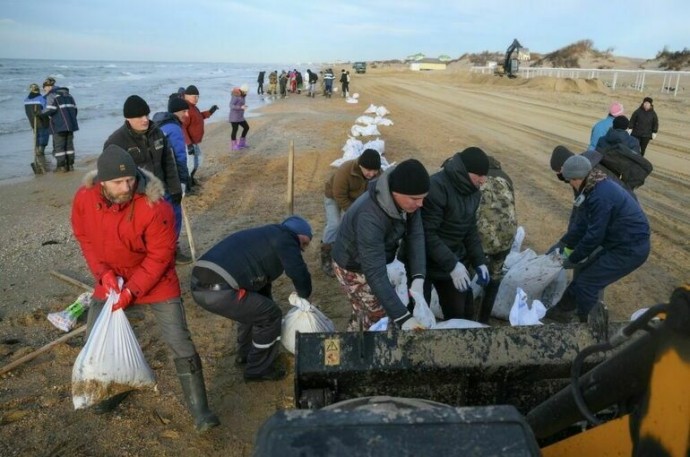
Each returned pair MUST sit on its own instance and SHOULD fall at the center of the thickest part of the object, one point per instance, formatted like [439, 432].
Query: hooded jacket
[61, 109]
[450, 222]
[34, 104]
[643, 123]
[609, 217]
[252, 259]
[346, 184]
[150, 151]
[135, 239]
[617, 136]
[599, 130]
[236, 103]
[171, 127]
[368, 239]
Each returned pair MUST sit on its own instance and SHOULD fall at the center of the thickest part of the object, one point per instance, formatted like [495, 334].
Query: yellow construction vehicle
[593, 389]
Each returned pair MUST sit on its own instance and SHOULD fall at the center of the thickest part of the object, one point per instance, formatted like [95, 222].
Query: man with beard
[126, 231]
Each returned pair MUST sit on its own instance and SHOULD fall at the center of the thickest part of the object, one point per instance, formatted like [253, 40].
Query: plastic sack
[421, 310]
[382, 325]
[521, 313]
[435, 304]
[371, 110]
[366, 120]
[398, 279]
[111, 361]
[382, 121]
[66, 320]
[364, 130]
[303, 318]
[533, 274]
[378, 144]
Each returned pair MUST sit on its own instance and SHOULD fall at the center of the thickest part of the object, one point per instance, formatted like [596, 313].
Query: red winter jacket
[135, 239]
[193, 127]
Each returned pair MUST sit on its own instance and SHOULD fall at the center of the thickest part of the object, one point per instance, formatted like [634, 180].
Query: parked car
[360, 67]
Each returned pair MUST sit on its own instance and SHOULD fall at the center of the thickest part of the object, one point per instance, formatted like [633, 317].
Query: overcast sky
[314, 31]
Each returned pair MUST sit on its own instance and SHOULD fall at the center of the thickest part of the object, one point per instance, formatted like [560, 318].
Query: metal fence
[665, 82]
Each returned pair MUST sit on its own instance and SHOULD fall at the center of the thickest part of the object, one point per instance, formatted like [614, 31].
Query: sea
[100, 89]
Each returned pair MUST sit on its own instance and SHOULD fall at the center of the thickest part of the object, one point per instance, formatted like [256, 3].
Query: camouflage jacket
[496, 217]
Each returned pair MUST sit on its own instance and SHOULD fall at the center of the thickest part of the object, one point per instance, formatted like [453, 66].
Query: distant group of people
[293, 82]
[634, 133]
[446, 227]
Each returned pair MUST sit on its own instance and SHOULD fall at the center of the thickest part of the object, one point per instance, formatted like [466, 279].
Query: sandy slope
[435, 115]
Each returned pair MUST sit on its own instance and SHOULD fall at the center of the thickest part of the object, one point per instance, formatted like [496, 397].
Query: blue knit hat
[298, 225]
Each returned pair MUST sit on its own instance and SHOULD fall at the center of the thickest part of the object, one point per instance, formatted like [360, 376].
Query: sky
[303, 31]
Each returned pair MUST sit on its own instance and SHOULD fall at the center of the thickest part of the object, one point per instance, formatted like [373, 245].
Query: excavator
[511, 64]
[599, 388]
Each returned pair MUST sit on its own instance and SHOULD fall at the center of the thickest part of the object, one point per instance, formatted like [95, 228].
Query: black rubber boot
[191, 378]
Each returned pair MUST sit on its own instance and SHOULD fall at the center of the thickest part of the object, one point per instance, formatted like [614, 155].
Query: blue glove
[483, 275]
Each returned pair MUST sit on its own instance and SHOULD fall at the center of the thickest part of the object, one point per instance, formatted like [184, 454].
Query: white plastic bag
[303, 318]
[111, 361]
[521, 313]
[533, 274]
[66, 319]
[421, 311]
[398, 279]
[364, 130]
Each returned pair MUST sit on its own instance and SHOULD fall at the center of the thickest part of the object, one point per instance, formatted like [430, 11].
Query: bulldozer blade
[521, 366]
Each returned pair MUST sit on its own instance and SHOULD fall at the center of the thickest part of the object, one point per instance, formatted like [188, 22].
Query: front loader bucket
[520, 366]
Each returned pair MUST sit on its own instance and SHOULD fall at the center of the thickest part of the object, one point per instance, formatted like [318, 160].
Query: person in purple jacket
[236, 118]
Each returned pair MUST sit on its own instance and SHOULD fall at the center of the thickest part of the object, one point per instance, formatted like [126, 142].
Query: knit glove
[654, 136]
[460, 277]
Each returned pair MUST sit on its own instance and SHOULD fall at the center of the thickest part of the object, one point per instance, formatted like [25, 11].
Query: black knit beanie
[176, 104]
[370, 159]
[620, 123]
[409, 177]
[558, 157]
[475, 161]
[191, 90]
[135, 106]
[114, 163]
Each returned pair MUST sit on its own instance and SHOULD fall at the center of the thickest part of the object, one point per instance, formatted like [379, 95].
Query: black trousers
[259, 321]
[454, 304]
[235, 127]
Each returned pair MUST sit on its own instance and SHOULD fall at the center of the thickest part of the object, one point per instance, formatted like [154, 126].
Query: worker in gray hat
[125, 228]
[608, 239]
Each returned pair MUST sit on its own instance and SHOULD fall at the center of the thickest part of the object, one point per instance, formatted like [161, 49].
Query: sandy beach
[434, 114]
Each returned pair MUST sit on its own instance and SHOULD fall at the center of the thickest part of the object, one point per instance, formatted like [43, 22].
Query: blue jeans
[332, 220]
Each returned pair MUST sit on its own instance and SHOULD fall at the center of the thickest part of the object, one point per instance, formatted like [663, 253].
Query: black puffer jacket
[150, 151]
[368, 239]
[643, 123]
[450, 223]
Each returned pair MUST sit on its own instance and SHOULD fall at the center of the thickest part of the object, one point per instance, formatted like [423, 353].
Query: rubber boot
[326, 259]
[191, 377]
[243, 143]
[235, 145]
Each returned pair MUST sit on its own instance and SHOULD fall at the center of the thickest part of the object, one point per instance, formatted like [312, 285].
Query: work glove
[629, 131]
[126, 299]
[176, 198]
[417, 286]
[109, 281]
[567, 264]
[566, 252]
[654, 136]
[483, 275]
[460, 277]
[213, 109]
[412, 324]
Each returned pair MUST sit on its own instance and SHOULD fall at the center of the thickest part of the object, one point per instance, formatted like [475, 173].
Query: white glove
[184, 188]
[654, 136]
[460, 277]
[412, 324]
[629, 131]
[418, 286]
[483, 272]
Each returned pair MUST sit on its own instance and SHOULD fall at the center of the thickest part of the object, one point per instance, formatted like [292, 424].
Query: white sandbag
[379, 326]
[366, 120]
[421, 310]
[435, 304]
[382, 121]
[513, 258]
[382, 111]
[364, 130]
[111, 361]
[522, 313]
[338, 162]
[378, 144]
[371, 110]
[533, 274]
[303, 318]
[458, 323]
[398, 279]
[553, 292]
[352, 149]
[352, 99]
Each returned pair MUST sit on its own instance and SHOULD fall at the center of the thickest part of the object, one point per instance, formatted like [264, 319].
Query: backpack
[627, 165]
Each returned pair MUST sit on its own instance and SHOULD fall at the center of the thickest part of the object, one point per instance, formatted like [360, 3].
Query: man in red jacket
[126, 230]
[193, 129]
